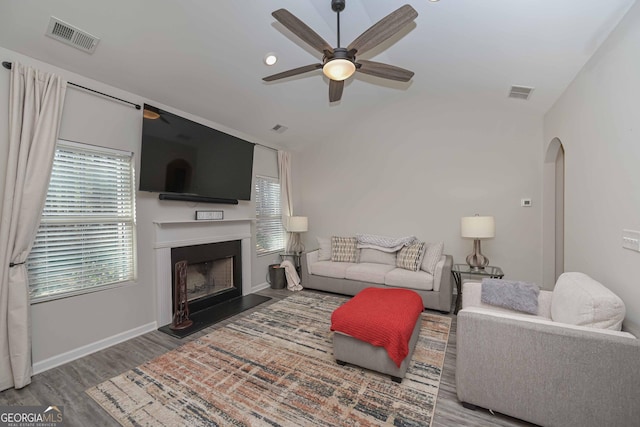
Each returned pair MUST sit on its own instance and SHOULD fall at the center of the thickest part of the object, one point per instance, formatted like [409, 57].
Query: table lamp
[477, 228]
[295, 226]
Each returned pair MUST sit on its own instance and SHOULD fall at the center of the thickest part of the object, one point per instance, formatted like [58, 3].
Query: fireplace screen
[214, 273]
[209, 278]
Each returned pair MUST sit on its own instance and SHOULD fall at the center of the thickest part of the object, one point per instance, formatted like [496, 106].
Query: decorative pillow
[343, 249]
[410, 257]
[511, 294]
[432, 255]
[324, 251]
[577, 299]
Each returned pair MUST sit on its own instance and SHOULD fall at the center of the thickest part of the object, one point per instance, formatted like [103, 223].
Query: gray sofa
[569, 365]
[436, 290]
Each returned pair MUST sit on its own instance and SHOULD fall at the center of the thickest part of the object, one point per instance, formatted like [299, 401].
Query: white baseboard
[85, 350]
[261, 286]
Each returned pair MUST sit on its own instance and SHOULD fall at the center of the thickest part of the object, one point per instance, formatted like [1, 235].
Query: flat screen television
[186, 160]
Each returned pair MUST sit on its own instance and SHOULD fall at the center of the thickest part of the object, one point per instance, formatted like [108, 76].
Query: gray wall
[418, 167]
[72, 326]
[596, 119]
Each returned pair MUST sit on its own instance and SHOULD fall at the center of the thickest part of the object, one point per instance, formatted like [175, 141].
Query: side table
[295, 258]
[459, 269]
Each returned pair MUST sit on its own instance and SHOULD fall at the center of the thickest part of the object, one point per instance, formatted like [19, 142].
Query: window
[86, 239]
[269, 229]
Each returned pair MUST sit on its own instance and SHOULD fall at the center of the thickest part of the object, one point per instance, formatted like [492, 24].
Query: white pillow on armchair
[579, 300]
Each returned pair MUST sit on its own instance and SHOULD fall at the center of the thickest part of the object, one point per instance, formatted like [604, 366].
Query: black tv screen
[180, 156]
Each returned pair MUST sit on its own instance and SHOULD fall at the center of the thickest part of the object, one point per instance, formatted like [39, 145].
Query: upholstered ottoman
[378, 329]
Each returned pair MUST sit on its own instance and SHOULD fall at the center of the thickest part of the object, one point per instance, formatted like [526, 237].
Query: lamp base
[295, 243]
[477, 261]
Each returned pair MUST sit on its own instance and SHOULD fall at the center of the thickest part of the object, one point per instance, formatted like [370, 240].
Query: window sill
[63, 295]
[276, 252]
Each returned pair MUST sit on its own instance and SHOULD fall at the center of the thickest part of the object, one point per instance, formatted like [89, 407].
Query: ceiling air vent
[68, 34]
[279, 128]
[520, 92]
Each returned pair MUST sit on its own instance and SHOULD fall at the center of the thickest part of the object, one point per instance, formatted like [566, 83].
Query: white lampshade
[297, 224]
[478, 227]
[339, 69]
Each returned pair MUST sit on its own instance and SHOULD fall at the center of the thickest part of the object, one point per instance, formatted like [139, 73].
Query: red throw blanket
[381, 317]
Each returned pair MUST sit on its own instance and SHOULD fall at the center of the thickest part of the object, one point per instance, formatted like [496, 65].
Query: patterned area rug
[275, 367]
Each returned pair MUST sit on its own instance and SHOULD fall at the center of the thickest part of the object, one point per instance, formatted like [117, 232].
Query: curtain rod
[7, 65]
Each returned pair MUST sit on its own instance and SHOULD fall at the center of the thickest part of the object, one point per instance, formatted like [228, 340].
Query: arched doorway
[553, 212]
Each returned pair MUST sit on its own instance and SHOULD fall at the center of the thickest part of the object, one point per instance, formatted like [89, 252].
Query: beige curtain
[35, 109]
[286, 197]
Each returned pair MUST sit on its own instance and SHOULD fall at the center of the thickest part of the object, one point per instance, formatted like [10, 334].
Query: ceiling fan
[339, 63]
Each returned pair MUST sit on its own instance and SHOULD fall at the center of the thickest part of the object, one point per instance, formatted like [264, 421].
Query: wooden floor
[66, 384]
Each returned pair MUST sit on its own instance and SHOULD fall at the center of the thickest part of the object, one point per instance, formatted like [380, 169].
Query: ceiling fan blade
[383, 29]
[385, 71]
[302, 30]
[335, 90]
[292, 72]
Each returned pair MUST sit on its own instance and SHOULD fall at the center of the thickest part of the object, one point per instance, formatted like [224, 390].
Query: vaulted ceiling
[206, 57]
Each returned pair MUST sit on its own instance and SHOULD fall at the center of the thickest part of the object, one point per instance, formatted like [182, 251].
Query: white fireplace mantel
[179, 233]
[195, 221]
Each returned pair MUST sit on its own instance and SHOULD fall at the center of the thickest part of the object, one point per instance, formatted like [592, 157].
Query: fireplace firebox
[214, 273]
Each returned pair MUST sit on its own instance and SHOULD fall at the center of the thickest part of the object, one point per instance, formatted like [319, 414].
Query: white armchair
[545, 370]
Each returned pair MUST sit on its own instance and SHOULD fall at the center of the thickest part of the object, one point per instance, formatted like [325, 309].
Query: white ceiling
[206, 57]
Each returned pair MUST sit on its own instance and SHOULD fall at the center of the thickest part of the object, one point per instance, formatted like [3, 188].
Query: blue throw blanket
[515, 295]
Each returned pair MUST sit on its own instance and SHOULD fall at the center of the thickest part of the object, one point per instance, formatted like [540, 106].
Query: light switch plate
[525, 203]
[209, 215]
[631, 240]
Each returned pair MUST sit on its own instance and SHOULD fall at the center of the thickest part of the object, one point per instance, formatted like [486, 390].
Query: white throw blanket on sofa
[384, 243]
[293, 280]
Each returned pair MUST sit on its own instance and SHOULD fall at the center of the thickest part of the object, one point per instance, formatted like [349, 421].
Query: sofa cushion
[579, 300]
[432, 255]
[330, 269]
[343, 249]
[410, 257]
[377, 256]
[401, 278]
[324, 248]
[368, 272]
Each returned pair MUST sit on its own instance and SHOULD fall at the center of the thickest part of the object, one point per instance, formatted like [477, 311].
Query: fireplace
[214, 273]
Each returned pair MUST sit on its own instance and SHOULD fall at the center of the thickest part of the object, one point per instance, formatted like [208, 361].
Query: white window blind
[269, 229]
[86, 238]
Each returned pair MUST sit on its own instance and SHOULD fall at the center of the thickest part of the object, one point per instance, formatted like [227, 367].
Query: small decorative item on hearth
[477, 227]
[180, 299]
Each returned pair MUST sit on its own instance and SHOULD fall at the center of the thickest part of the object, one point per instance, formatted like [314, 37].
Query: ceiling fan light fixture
[270, 58]
[339, 69]
[150, 114]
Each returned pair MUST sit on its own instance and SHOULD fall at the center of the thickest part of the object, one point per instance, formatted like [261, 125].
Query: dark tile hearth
[216, 313]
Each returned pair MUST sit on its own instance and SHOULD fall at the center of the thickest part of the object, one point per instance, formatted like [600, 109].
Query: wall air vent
[520, 92]
[68, 34]
[279, 128]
